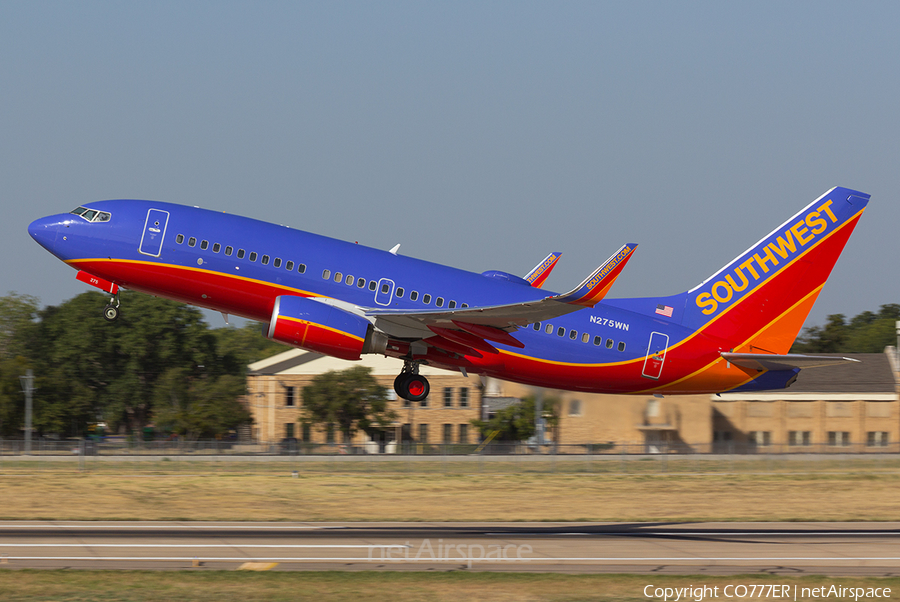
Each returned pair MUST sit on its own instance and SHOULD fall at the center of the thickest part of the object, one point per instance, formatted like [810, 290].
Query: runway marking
[474, 559]
[198, 545]
[257, 566]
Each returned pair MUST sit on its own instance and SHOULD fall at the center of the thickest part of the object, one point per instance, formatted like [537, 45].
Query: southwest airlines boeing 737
[732, 332]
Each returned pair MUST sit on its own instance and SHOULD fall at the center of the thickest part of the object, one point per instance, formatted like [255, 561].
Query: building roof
[873, 374]
[300, 362]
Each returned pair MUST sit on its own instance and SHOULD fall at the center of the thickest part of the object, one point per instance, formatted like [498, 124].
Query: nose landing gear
[111, 311]
[411, 385]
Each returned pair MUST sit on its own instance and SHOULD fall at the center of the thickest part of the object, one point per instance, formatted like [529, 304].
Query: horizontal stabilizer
[541, 271]
[790, 361]
[595, 286]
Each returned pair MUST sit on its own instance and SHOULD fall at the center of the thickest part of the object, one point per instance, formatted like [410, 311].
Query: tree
[248, 344]
[89, 370]
[867, 332]
[350, 400]
[516, 422]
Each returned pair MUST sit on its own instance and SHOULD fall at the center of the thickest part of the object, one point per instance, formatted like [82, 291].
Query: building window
[877, 439]
[838, 438]
[722, 436]
[448, 433]
[423, 403]
[760, 438]
[289, 430]
[289, 396]
[463, 397]
[448, 397]
[575, 407]
[803, 438]
[307, 432]
[423, 433]
[463, 433]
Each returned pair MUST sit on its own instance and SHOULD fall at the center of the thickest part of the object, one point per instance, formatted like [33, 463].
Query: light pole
[27, 387]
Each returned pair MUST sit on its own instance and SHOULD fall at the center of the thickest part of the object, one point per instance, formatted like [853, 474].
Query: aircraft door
[154, 232]
[656, 355]
[385, 291]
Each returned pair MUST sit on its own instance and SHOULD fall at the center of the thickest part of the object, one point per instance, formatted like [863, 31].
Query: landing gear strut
[111, 311]
[411, 385]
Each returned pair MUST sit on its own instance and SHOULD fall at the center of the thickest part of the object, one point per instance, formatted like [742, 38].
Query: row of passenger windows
[585, 337]
[241, 253]
[399, 292]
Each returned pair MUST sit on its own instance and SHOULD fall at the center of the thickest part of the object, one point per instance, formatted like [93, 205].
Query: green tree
[248, 344]
[516, 422]
[867, 332]
[88, 369]
[12, 399]
[350, 400]
[17, 312]
[198, 406]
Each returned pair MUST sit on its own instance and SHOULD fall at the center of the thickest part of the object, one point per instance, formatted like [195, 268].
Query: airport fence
[120, 455]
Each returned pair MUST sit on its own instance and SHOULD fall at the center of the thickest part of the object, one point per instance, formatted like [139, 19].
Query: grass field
[137, 586]
[269, 491]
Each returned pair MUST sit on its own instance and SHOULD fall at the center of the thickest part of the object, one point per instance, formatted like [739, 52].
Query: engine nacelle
[315, 326]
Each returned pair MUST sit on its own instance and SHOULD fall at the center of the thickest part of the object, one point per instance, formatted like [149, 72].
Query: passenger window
[609, 343]
[414, 295]
[385, 288]
[348, 280]
[536, 325]
[179, 239]
[585, 338]
[301, 268]
[229, 251]
[253, 256]
[597, 340]
[573, 334]
[204, 244]
[192, 241]
[372, 285]
[439, 302]
[289, 266]
[338, 276]
[464, 305]
[549, 329]
[621, 345]
[277, 262]
[326, 274]
[361, 283]
[265, 260]
[426, 299]
[241, 253]
[451, 305]
[399, 292]
[561, 332]
[217, 247]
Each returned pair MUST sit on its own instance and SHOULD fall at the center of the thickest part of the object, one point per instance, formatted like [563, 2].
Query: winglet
[595, 286]
[539, 274]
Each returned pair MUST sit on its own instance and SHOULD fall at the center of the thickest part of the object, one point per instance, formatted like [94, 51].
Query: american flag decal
[664, 310]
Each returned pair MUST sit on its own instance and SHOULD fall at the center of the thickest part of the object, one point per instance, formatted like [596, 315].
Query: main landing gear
[111, 311]
[411, 385]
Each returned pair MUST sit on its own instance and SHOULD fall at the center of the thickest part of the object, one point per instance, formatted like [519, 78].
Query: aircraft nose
[44, 231]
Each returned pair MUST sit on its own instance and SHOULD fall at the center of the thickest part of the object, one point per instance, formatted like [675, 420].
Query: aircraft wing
[506, 318]
[765, 361]
[541, 271]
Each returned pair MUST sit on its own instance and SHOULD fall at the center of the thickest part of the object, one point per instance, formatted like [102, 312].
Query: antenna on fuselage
[394, 249]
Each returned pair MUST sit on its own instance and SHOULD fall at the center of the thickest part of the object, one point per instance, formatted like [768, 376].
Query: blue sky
[479, 134]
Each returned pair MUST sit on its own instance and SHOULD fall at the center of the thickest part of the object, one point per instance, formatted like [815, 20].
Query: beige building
[275, 400]
[851, 407]
[848, 407]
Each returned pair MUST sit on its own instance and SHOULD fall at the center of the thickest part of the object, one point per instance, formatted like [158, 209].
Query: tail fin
[759, 301]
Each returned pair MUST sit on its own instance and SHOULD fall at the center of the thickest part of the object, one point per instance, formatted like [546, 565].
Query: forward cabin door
[154, 232]
[656, 355]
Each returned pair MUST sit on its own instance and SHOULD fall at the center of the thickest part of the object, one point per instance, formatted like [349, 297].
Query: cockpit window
[91, 215]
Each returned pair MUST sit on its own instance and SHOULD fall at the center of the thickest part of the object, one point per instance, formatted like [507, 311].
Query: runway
[838, 549]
